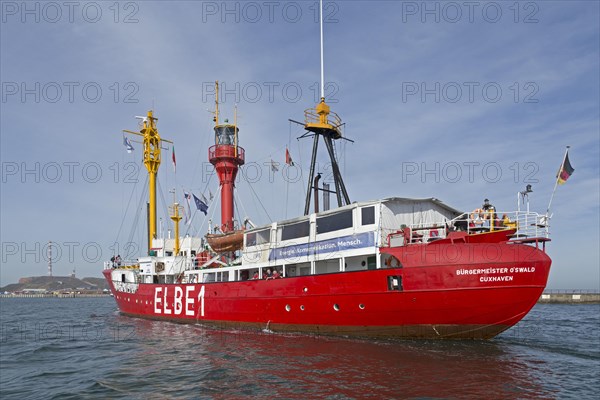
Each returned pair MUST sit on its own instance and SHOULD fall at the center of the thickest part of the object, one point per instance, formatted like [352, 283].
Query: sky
[459, 101]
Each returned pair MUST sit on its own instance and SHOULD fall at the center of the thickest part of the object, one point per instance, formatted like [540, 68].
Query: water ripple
[82, 348]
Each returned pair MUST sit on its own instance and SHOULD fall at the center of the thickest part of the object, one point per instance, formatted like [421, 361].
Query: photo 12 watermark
[69, 92]
[470, 12]
[468, 172]
[252, 12]
[469, 92]
[69, 172]
[71, 12]
[60, 331]
[269, 92]
[66, 251]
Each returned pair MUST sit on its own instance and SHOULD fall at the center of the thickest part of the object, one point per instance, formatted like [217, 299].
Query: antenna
[322, 62]
[50, 258]
[322, 122]
[216, 103]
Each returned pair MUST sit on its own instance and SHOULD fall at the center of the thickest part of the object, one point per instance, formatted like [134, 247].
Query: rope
[256, 195]
[127, 208]
[164, 204]
[243, 208]
[137, 215]
[301, 171]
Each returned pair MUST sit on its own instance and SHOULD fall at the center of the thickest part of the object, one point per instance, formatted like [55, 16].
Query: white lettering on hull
[189, 300]
[177, 304]
[157, 300]
[495, 271]
[201, 300]
[506, 278]
[183, 301]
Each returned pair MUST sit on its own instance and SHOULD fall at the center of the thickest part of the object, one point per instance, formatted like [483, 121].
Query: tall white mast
[556, 182]
[322, 63]
[321, 122]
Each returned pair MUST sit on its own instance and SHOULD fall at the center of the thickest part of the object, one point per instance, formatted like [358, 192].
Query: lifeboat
[222, 243]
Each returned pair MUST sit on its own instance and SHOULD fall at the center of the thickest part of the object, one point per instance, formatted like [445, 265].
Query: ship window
[251, 239]
[297, 230]
[258, 237]
[222, 276]
[368, 215]
[334, 222]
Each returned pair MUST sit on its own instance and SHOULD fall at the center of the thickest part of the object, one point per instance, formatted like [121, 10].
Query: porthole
[302, 307]
[361, 306]
[287, 308]
[305, 290]
[336, 307]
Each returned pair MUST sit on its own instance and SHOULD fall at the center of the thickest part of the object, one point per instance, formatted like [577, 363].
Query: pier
[569, 297]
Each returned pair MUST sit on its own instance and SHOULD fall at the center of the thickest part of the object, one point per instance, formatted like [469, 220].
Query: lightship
[394, 267]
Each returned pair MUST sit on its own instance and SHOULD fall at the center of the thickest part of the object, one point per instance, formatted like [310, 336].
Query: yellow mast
[176, 217]
[152, 141]
[216, 118]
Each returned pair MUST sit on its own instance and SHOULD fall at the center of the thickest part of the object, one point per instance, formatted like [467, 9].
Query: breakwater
[52, 295]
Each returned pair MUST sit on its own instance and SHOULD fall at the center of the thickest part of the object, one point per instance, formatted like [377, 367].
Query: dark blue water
[82, 348]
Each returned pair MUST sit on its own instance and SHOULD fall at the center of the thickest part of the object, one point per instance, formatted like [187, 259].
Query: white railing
[130, 264]
[528, 225]
[125, 287]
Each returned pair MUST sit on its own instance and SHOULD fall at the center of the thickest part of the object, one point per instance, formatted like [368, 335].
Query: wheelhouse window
[334, 222]
[294, 231]
[368, 215]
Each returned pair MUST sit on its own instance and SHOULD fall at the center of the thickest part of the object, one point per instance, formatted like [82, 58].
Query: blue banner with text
[324, 246]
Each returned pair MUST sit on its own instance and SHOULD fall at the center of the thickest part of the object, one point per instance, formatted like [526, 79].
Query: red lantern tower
[226, 156]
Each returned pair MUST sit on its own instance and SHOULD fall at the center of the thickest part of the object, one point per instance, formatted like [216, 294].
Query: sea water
[83, 348]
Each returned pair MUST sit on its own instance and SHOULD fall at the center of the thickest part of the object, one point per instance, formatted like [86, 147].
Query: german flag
[565, 171]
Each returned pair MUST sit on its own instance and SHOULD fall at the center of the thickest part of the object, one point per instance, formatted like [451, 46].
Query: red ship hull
[437, 290]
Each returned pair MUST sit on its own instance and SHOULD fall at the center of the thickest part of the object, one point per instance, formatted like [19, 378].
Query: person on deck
[255, 276]
[269, 274]
[487, 206]
[276, 274]
[489, 213]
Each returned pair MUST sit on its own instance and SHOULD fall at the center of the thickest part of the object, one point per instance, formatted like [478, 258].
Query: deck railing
[125, 287]
[528, 225]
[133, 264]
